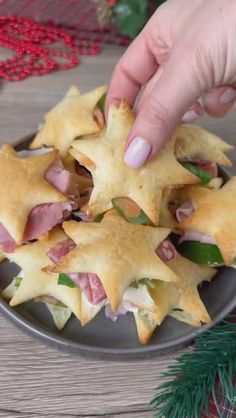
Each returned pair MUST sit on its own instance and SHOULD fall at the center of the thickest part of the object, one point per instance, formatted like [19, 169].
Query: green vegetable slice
[130, 211]
[150, 283]
[99, 217]
[101, 102]
[204, 175]
[201, 253]
[17, 281]
[64, 280]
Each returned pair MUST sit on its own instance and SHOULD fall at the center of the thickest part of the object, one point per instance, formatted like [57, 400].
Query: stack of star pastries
[90, 233]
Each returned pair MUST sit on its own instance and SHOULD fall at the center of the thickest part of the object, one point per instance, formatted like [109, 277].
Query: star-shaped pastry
[31, 259]
[192, 141]
[180, 300]
[69, 119]
[22, 187]
[183, 294]
[214, 216]
[117, 251]
[113, 178]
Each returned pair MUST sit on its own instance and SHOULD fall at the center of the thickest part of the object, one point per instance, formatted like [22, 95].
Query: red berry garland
[34, 55]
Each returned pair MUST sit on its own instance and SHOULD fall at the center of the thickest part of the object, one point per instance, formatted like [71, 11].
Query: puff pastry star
[183, 294]
[118, 252]
[180, 300]
[214, 216]
[192, 141]
[22, 187]
[113, 178]
[70, 118]
[35, 283]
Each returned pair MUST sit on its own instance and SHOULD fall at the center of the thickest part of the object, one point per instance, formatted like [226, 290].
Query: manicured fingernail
[138, 152]
[191, 116]
[227, 96]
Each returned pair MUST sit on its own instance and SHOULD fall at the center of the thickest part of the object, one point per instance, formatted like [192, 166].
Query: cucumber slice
[204, 175]
[201, 253]
[130, 211]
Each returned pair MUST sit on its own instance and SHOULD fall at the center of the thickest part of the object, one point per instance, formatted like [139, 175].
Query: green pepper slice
[101, 102]
[64, 280]
[130, 211]
[201, 253]
[204, 175]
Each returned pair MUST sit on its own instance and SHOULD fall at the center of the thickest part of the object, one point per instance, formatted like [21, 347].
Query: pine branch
[197, 375]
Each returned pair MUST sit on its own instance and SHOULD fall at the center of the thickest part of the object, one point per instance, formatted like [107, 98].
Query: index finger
[133, 70]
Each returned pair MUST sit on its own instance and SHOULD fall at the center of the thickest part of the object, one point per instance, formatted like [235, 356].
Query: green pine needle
[193, 377]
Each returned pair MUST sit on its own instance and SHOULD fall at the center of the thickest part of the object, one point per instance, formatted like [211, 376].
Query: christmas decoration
[207, 371]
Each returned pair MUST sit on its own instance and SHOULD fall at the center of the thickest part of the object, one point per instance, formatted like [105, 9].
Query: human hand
[186, 51]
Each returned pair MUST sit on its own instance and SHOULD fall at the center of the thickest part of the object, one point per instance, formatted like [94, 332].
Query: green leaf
[65, 281]
[101, 102]
[130, 211]
[201, 253]
[131, 16]
[204, 175]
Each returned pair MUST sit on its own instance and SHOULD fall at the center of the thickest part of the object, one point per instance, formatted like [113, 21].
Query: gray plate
[117, 341]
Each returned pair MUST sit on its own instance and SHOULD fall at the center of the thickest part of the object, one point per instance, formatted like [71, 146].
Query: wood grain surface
[40, 381]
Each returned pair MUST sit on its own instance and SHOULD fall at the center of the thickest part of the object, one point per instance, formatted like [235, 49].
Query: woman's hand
[186, 51]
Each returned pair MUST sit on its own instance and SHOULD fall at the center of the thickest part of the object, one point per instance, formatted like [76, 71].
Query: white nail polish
[227, 96]
[137, 152]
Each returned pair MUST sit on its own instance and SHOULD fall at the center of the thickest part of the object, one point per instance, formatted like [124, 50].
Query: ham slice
[44, 217]
[197, 236]
[81, 170]
[185, 211]
[204, 164]
[60, 250]
[61, 179]
[99, 117]
[89, 283]
[166, 250]
[91, 286]
[7, 243]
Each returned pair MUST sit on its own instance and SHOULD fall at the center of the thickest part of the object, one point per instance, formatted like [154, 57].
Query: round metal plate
[105, 339]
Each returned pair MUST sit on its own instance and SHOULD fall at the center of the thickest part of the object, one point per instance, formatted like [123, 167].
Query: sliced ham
[166, 250]
[7, 243]
[197, 236]
[99, 117]
[60, 250]
[81, 170]
[44, 217]
[185, 211]
[91, 286]
[204, 164]
[61, 179]
[89, 283]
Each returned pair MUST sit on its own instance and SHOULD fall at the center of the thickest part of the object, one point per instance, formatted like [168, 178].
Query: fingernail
[138, 152]
[227, 96]
[191, 116]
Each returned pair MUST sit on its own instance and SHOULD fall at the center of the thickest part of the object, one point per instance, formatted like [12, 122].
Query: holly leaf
[131, 16]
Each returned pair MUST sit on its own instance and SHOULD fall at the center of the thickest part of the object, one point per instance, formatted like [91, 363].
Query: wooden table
[40, 381]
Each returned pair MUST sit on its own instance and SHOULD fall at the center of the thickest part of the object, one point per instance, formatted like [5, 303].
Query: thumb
[173, 94]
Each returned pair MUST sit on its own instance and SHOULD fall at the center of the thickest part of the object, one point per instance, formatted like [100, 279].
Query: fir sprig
[197, 375]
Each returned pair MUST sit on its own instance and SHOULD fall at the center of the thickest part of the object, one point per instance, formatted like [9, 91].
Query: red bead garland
[34, 55]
